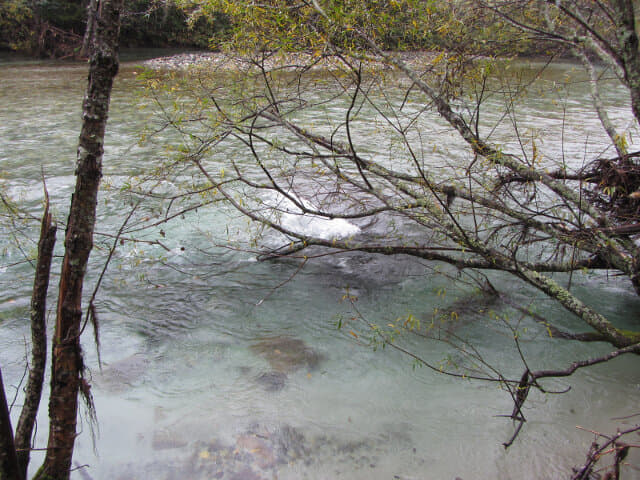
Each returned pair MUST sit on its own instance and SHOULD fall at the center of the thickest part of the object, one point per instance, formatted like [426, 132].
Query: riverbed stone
[272, 381]
[245, 474]
[258, 450]
[122, 374]
[166, 440]
[287, 354]
[264, 451]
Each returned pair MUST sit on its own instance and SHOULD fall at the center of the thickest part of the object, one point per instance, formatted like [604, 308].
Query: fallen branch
[612, 446]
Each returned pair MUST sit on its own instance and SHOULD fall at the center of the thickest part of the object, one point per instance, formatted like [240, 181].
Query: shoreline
[225, 61]
[229, 62]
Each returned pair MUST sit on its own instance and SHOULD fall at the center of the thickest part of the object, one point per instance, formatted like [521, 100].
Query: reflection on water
[219, 366]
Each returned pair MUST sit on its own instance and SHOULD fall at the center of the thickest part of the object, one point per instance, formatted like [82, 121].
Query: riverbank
[229, 61]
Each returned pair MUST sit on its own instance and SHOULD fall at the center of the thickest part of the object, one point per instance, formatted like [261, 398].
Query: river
[193, 339]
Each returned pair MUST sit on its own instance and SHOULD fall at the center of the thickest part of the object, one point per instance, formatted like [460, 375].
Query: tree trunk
[24, 430]
[67, 363]
[92, 11]
[8, 460]
[628, 44]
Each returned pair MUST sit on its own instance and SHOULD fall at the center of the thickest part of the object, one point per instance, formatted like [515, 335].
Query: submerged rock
[272, 446]
[257, 453]
[166, 440]
[272, 381]
[122, 374]
[291, 443]
[257, 450]
[246, 474]
[266, 451]
[287, 354]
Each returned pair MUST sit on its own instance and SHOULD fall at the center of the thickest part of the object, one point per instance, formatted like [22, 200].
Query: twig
[302, 264]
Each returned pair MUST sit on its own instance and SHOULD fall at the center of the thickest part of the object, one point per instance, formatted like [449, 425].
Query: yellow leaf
[204, 454]
[353, 333]
[434, 62]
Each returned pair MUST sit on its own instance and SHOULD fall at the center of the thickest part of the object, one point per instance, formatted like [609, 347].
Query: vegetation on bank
[55, 28]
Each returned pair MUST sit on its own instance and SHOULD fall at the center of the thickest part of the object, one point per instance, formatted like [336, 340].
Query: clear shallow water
[179, 395]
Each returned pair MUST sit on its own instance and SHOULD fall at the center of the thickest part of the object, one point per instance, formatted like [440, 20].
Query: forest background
[55, 28]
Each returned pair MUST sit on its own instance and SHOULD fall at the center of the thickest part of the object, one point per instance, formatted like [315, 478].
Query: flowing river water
[216, 366]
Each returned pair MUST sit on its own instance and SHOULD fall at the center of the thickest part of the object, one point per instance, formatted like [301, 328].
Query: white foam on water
[294, 219]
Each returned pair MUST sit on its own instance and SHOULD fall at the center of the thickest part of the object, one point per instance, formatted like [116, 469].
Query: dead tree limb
[24, 430]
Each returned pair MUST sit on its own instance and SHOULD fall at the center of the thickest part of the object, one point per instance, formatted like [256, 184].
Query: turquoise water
[180, 392]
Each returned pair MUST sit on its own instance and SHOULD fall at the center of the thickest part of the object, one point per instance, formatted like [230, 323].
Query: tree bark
[24, 430]
[628, 45]
[67, 362]
[8, 460]
[92, 10]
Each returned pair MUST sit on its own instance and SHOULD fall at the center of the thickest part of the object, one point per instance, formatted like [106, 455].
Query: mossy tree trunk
[8, 459]
[67, 365]
[33, 393]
